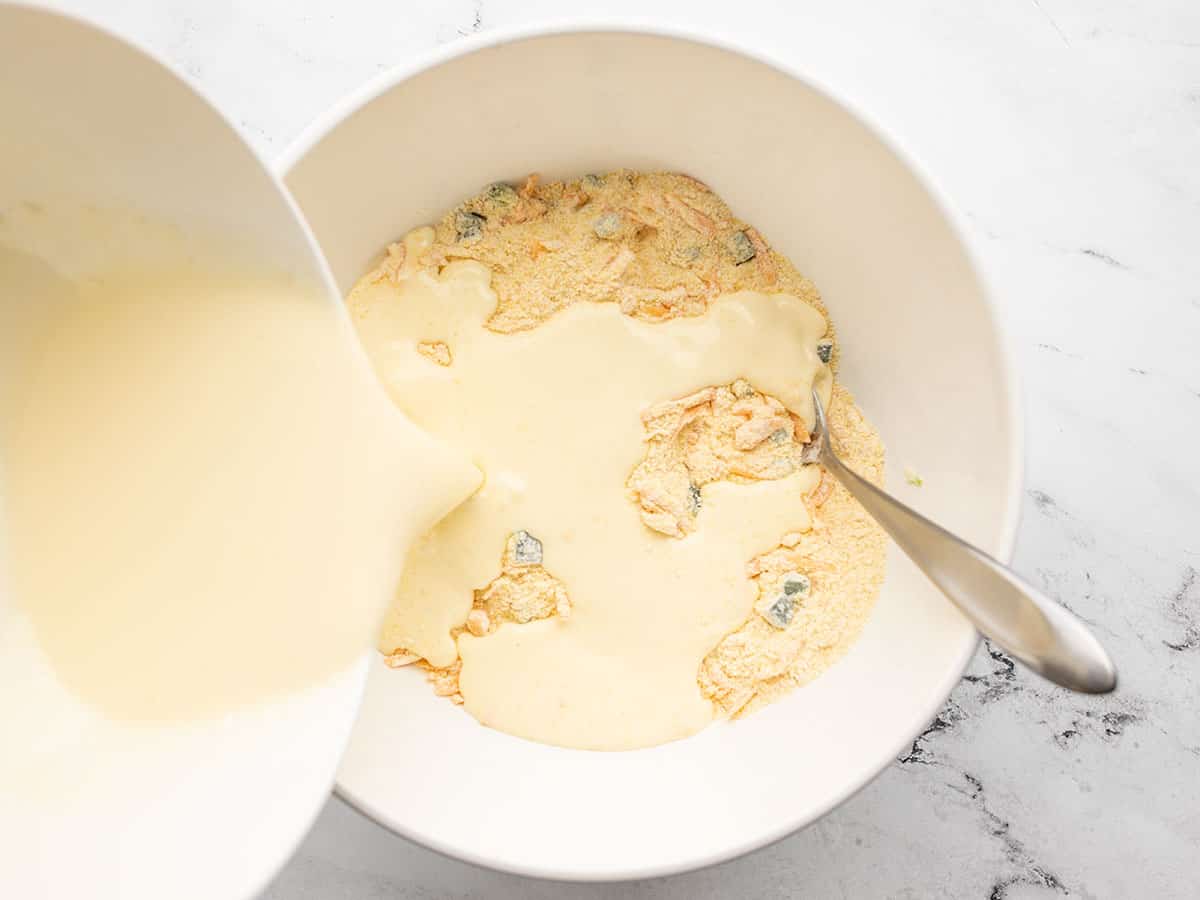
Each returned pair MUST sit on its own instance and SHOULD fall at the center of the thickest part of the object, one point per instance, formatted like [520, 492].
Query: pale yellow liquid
[554, 416]
[206, 497]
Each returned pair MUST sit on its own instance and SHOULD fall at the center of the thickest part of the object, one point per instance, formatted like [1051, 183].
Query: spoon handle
[1003, 606]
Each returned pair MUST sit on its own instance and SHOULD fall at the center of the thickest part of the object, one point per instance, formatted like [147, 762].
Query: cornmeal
[535, 634]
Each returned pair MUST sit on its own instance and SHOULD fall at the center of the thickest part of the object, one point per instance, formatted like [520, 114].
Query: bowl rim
[1004, 546]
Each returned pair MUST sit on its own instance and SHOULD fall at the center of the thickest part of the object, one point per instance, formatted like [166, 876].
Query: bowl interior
[920, 350]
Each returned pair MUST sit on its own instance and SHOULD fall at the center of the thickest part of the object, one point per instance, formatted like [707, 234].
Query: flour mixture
[631, 367]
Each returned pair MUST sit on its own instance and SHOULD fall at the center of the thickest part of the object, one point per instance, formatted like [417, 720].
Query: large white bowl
[921, 349]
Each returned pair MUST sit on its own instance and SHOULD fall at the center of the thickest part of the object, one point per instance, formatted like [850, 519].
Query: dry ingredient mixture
[548, 266]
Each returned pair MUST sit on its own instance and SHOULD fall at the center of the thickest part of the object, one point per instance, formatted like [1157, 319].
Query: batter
[205, 493]
[647, 495]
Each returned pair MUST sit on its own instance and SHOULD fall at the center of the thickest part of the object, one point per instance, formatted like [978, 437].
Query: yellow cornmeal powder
[662, 245]
[667, 246]
[843, 556]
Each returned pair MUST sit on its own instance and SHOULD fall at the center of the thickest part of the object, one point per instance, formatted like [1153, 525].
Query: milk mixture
[631, 368]
[206, 497]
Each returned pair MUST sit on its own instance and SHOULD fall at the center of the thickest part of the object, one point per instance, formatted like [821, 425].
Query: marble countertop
[1069, 132]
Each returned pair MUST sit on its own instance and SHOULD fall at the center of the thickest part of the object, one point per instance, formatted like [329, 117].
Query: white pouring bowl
[921, 350]
[197, 811]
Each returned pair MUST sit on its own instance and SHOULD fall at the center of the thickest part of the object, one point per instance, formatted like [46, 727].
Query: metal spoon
[1002, 605]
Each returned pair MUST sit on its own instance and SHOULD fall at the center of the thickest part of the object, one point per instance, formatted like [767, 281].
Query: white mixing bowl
[921, 349]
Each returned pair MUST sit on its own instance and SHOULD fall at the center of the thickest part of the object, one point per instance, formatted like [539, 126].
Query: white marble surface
[1069, 132]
